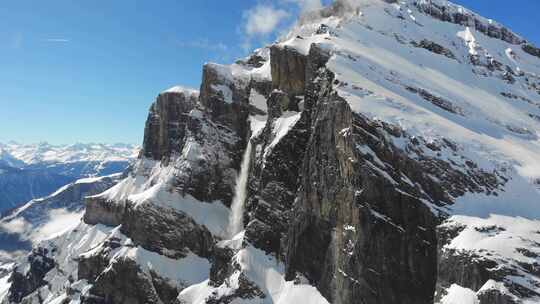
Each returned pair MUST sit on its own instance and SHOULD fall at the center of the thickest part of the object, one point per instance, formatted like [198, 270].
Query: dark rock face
[335, 238]
[531, 49]
[467, 270]
[434, 48]
[24, 282]
[123, 280]
[123, 284]
[351, 227]
[90, 267]
[353, 239]
[467, 19]
[437, 101]
[103, 211]
[165, 126]
[323, 205]
[276, 170]
[495, 297]
[221, 266]
[211, 178]
[275, 177]
[288, 70]
[231, 110]
[177, 232]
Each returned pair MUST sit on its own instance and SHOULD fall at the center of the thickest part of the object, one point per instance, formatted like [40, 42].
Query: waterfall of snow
[236, 222]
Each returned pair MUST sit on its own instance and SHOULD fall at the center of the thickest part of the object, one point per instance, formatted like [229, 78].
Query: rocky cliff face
[376, 163]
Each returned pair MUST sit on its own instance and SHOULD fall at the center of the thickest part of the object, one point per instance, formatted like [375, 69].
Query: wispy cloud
[263, 19]
[259, 22]
[16, 226]
[58, 40]
[204, 44]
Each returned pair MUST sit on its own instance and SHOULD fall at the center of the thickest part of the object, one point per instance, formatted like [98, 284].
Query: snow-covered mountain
[382, 152]
[36, 170]
[43, 219]
[47, 217]
[44, 153]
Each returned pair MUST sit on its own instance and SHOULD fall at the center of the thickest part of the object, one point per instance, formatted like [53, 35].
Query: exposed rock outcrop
[165, 126]
[531, 49]
[288, 70]
[177, 231]
[28, 278]
[451, 13]
[434, 47]
[225, 97]
[337, 238]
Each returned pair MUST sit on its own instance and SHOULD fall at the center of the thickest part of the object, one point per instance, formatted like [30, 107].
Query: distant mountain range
[48, 216]
[29, 171]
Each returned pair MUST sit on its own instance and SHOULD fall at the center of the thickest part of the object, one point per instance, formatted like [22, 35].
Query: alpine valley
[382, 152]
[36, 170]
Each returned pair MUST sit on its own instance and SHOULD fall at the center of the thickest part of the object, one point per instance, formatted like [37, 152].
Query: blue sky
[87, 71]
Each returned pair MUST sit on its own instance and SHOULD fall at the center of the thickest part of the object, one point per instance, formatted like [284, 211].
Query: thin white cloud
[60, 40]
[204, 44]
[260, 22]
[263, 20]
[16, 226]
[60, 221]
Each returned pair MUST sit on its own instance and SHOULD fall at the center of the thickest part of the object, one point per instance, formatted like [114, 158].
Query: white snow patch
[459, 295]
[268, 274]
[517, 199]
[494, 285]
[282, 126]
[4, 286]
[258, 100]
[182, 89]
[499, 235]
[257, 124]
[185, 271]
[469, 39]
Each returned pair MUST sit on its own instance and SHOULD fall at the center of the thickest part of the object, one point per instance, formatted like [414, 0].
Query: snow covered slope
[389, 151]
[482, 99]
